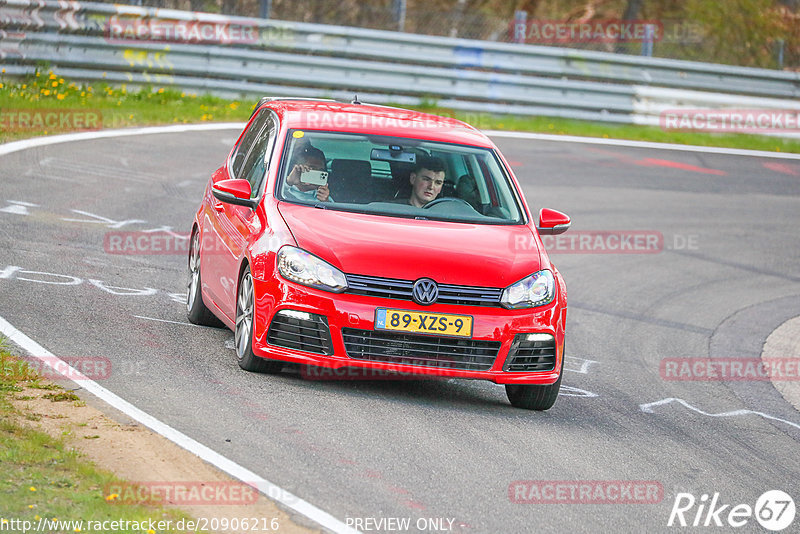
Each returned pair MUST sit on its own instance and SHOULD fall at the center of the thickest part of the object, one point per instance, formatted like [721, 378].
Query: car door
[230, 225]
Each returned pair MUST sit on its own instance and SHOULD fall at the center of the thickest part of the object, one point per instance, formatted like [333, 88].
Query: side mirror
[234, 191]
[552, 222]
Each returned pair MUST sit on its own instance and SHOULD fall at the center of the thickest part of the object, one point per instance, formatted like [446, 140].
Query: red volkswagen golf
[349, 235]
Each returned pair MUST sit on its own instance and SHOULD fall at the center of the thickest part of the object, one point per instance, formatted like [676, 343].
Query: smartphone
[314, 177]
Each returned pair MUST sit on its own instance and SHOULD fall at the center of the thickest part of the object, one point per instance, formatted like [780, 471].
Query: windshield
[397, 177]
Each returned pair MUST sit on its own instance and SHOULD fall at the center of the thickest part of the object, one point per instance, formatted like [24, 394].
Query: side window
[240, 155]
[255, 165]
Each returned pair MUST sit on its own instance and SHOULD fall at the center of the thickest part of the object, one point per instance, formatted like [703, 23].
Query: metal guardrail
[77, 40]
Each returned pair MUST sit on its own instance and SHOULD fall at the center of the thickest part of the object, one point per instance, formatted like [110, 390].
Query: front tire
[534, 397]
[243, 330]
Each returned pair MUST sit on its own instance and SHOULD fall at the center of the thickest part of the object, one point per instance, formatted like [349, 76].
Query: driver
[426, 180]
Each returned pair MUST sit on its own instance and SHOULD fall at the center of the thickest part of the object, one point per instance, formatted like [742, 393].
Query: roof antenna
[355, 100]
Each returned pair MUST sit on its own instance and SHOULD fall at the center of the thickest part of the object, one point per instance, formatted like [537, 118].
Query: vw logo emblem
[425, 291]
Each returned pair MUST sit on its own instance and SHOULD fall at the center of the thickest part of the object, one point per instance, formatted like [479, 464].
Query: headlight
[299, 266]
[537, 289]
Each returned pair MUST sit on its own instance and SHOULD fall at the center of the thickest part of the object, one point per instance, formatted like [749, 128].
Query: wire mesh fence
[753, 33]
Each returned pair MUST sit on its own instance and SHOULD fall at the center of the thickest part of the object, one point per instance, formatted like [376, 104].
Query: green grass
[119, 108]
[42, 478]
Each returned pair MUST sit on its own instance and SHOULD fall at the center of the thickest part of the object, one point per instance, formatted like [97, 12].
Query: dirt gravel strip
[142, 457]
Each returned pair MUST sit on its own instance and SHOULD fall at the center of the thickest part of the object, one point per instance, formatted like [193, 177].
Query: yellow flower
[151, 531]
[130, 116]
[24, 85]
[183, 95]
[52, 76]
[83, 93]
[61, 80]
[54, 84]
[37, 517]
[160, 90]
[234, 105]
[77, 529]
[112, 497]
[46, 93]
[61, 96]
[32, 488]
[30, 506]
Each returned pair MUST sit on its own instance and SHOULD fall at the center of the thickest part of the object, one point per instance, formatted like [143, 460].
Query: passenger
[310, 158]
[427, 180]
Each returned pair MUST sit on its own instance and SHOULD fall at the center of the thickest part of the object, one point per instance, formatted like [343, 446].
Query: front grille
[531, 352]
[301, 331]
[393, 288]
[426, 351]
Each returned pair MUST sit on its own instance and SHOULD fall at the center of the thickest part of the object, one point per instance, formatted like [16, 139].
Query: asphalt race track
[725, 274]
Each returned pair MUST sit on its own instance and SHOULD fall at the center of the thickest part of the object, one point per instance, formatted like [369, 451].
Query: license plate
[443, 324]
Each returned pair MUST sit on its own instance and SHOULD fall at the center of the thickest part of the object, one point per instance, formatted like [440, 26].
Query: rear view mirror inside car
[389, 154]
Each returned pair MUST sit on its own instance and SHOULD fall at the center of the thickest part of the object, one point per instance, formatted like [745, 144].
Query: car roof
[329, 115]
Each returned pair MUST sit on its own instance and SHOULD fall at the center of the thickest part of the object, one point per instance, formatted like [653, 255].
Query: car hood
[393, 247]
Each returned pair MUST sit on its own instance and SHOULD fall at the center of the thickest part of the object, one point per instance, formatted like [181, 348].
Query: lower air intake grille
[426, 351]
[300, 331]
[531, 352]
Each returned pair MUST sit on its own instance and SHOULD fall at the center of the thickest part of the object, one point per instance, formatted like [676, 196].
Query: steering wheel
[433, 203]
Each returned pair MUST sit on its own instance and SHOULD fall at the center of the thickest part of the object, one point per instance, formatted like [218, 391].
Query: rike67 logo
[774, 510]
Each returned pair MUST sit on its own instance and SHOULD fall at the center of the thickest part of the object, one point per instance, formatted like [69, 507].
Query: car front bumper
[354, 315]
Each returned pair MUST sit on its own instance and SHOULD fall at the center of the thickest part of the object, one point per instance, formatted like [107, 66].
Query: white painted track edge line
[207, 454]
[642, 144]
[15, 146]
